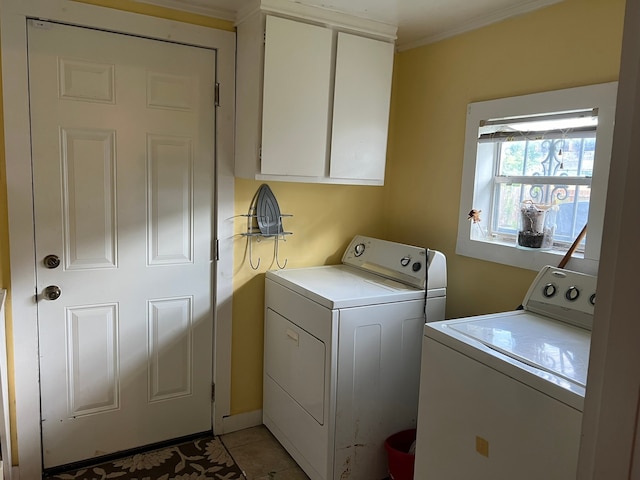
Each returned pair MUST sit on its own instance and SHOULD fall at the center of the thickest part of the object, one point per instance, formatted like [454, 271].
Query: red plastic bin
[401, 462]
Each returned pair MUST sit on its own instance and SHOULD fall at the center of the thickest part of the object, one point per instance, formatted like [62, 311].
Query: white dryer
[342, 354]
[501, 395]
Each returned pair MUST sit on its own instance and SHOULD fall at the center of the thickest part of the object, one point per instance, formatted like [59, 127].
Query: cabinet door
[295, 109]
[361, 108]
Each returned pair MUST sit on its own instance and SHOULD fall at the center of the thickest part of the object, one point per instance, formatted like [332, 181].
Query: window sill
[531, 259]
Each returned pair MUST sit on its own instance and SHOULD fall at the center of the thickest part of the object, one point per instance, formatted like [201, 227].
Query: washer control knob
[416, 266]
[358, 249]
[549, 290]
[572, 294]
[592, 299]
[405, 261]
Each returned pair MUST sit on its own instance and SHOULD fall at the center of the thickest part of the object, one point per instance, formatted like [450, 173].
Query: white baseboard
[233, 423]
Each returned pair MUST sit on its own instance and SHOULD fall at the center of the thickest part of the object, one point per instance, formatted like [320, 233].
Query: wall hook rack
[264, 220]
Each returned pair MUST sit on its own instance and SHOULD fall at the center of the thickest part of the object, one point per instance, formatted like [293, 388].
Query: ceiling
[419, 21]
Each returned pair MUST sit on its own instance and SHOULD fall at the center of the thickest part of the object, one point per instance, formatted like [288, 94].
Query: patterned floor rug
[201, 459]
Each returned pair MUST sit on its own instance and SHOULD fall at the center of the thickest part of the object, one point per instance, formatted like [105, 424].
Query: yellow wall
[573, 43]
[169, 14]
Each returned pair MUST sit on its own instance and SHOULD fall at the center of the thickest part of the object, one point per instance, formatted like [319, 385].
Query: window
[536, 169]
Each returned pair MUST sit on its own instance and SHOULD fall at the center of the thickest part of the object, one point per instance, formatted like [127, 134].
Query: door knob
[52, 292]
[51, 261]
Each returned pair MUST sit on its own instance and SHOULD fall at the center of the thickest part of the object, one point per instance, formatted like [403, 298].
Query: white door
[123, 142]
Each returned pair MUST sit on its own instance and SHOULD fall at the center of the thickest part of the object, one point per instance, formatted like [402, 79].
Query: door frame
[23, 308]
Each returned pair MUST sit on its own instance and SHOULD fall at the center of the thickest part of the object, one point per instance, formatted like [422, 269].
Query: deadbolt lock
[51, 261]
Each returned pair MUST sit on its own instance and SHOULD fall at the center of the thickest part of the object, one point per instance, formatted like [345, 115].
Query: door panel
[170, 327]
[123, 151]
[88, 178]
[92, 359]
[170, 191]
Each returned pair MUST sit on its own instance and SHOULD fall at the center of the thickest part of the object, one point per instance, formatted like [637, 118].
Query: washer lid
[553, 351]
[342, 286]
[537, 341]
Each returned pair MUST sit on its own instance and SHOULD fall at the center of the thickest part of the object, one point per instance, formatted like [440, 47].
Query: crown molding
[320, 16]
[336, 19]
[478, 22]
[199, 7]
[286, 8]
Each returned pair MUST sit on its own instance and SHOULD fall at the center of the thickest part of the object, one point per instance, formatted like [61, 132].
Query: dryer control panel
[408, 264]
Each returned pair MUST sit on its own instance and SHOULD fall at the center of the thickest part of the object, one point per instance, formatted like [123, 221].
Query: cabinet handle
[293, 336]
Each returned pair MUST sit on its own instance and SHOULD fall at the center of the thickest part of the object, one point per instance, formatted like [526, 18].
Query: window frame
[475, 175]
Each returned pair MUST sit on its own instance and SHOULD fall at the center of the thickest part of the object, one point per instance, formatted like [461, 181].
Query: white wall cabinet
[312, 103]
[295, 101]
[361, 108]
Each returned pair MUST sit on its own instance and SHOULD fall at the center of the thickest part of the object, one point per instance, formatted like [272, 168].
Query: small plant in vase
[532, 217]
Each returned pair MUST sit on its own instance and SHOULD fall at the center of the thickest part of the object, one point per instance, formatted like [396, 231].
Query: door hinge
[216, 95]
[217, 252]
[213, 392]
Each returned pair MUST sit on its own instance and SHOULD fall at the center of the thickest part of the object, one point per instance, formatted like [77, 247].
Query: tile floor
[260, 456]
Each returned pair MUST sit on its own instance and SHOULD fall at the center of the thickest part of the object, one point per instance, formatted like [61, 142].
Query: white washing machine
[342, 354]
[501, 395]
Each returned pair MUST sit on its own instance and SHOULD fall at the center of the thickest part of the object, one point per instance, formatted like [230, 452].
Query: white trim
[479, 22]
[610, 446]
[286, 8]
[320, 16]
[241, 421]
[198, 7]
[20, 206]
[5, 433]
[330, 18]
[312, 13]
